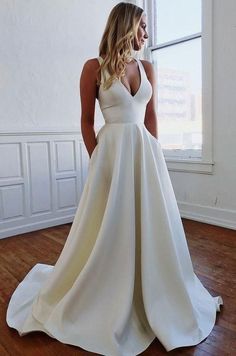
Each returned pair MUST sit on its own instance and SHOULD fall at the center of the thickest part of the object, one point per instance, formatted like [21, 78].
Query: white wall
[212, 198]
[43, 160]
[43, 47]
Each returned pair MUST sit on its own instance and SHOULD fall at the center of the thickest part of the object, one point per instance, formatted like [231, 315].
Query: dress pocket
[151, 136]
[94, 151]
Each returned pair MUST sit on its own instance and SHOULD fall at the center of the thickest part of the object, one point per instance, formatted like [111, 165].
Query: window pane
[179, 95]
[176, 19]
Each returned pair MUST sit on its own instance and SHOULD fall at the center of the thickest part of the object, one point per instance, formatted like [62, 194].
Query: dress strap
[104, 74]
[141, 66]
[100, 59]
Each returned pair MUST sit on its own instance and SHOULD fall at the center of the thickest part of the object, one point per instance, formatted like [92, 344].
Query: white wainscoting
[41, 179]
[42, 176]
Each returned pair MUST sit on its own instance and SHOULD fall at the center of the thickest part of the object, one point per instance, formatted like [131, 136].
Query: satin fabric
[125, 274]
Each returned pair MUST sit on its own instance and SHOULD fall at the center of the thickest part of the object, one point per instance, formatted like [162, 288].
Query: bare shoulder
[90, 67]
[91, 63]
[149, 68]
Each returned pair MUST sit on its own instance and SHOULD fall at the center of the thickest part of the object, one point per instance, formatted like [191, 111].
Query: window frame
[189, 160]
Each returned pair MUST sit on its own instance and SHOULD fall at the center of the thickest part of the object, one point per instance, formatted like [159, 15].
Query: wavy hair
[117, 41]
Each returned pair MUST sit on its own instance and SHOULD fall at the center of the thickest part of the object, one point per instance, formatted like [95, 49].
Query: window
[180, 49]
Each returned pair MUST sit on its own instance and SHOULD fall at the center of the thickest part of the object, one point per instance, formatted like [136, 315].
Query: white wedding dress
[125, 274]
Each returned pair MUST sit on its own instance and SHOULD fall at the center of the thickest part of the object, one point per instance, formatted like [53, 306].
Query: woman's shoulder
[147, 64]
[148, 67]
[91, 63]
[90, 70]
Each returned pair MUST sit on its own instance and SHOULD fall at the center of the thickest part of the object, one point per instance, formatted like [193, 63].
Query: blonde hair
[118, 37]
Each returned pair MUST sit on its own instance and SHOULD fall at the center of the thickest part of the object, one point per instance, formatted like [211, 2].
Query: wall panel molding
[46, 173]
[41, 179]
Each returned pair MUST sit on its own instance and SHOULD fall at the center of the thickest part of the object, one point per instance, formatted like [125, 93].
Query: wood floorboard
[213, 253]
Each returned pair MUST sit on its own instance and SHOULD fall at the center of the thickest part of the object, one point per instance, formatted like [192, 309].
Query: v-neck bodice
[118, 105]
[140, 79]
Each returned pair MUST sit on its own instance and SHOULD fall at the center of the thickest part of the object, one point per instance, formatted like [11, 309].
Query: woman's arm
[88, 90]
[150, 119]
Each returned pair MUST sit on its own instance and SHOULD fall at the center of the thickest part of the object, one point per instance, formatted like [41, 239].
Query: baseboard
[17, 230]
[209, 215]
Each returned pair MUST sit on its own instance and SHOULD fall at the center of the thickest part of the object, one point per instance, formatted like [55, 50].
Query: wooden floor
[213, 252]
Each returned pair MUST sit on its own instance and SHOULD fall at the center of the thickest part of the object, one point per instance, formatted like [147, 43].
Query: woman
[125, 274]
